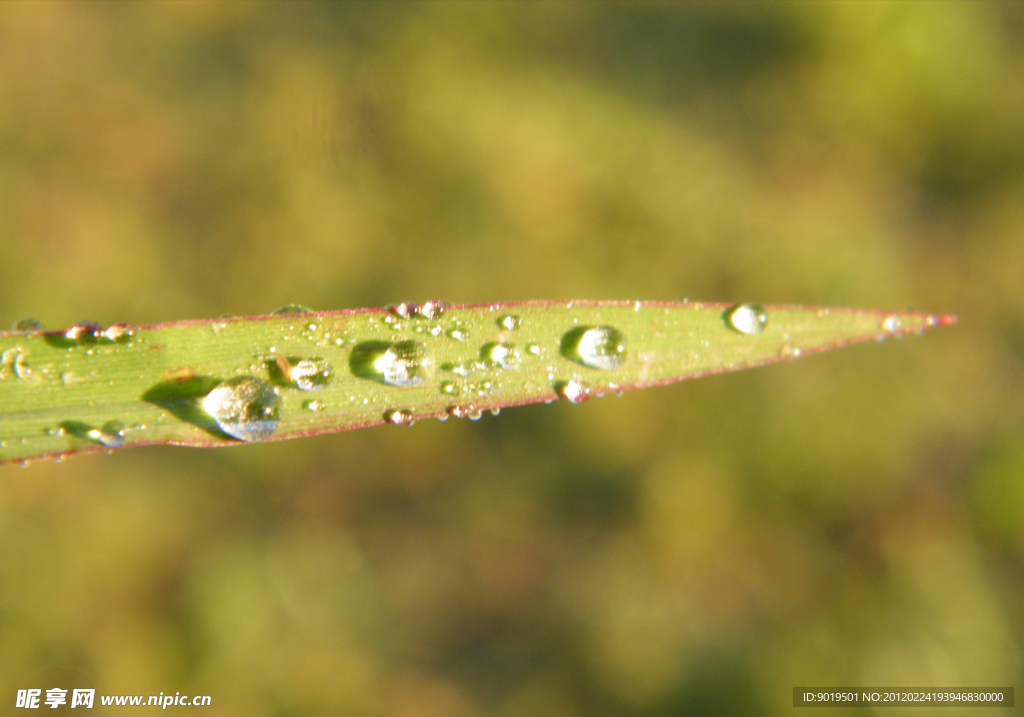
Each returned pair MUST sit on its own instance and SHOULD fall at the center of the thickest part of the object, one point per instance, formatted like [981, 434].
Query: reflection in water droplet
[111, 435]
[245, 408]
[287, 310]
[504, 355]
[432, 309]
[310, 374]
[27, 325]
[601, 347]
[575, 391]
[399, 416]
[748, 319]
[510, 322]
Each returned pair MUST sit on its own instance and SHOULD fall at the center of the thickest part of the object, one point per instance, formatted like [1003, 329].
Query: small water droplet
[505, 355]
[790, 351]
[601, 347]
[111, 435]
[892, 324]
[533, 348]
[407, 309]
[399, 416]
[27, 325]
[83, 331]
[450, 388]
[314, 405]
[458, 334]
[287, 310]
[495, 411]
[469, 411]
[636, 306]
[245, 408]
[575, 391]
[310, 374]
[432, 309]
[749, 319]
[510, 322]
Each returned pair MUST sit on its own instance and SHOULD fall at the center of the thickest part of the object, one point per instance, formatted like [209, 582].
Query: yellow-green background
[849, 519]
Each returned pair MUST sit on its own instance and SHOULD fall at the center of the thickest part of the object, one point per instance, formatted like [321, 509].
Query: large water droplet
[111, 435]
[119, 332]
[510, 322]
[602, 347]
[399, 416]
[83, 331]
[245, 408]
[749, 319]
[27, 325]
[288, 309]
[575, 391]
[505, 355]
[310, 374]
[406, 363]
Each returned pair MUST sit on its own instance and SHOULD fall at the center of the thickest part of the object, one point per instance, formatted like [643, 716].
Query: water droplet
[510, 322]
[892, 324]
[119, 332]
[432, 309]
[790, 351]
[407, 309]
[314, 405]
[245, 408]
[575, 391]
[310, 374]
[450, 388]
[399, 416]
[534, 348]
[403, 364]
[287, 310]
[27, 325]
[504, 355]
[602, 347]
[749, 319]
[458, 334]
[495, 411]
[83, 331]
[470, 411]
[111, 435]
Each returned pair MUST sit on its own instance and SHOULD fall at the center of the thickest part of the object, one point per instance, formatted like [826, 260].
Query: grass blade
[225, 381]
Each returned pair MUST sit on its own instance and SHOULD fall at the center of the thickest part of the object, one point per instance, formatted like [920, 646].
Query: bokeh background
[855, 518]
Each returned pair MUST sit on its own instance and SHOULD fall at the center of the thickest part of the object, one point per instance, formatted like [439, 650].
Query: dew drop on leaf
[749, 319]
[110, 435]
[399, 416]
[119, 332]
[601, 347]
[288, 309]
[407, 309]
[505, 355]
[27, 325]
[432, 309]
[575, 391]
[245, 408]
[310, 374]
[510, 322]
[403, 364]
[83, 331]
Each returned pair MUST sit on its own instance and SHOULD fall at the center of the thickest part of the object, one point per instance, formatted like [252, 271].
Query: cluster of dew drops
[249, 409]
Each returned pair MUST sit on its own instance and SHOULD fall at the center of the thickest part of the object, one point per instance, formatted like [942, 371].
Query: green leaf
[225, 381]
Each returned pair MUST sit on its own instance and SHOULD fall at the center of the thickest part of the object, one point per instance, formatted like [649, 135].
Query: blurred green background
[849, 519]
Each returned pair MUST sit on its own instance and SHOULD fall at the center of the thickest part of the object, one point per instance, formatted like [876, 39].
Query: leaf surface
[223, 381]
